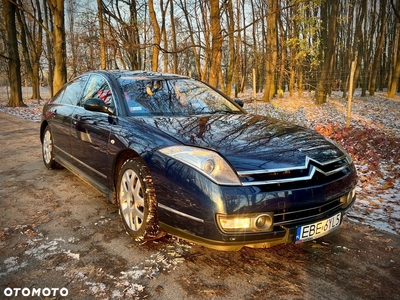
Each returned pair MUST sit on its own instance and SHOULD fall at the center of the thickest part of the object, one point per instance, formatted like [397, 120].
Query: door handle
[75, 119]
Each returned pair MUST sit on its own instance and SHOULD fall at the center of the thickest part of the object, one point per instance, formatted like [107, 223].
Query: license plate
[313, 231]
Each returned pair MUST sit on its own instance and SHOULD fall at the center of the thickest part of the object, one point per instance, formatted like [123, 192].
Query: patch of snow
[11, 264]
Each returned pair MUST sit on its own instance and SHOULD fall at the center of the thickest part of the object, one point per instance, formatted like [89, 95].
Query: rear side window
[71, 94]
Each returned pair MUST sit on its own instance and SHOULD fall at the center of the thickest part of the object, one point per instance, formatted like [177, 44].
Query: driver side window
[98, 87]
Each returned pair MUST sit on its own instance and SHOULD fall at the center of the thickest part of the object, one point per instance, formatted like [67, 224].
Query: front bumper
[234, 242]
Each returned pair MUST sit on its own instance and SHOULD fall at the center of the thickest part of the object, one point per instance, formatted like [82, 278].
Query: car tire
[136, 200]
[48, 150]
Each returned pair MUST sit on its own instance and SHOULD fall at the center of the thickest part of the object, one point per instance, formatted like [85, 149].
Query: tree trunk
[358, 46]
[48, 23]
[395, 77]
[26, 53]
[395, 80]
[207, 57]
[73, 40]
[379, 48]
[14, 64]
[157, 37]
[238, 58]
[392, 89]
[216, 42]
[103, 58]
[293, 49]
[164, 34]
[232, 52]
[244, 48]
[173, 37]
[346, 56]
[365, 69]
[281, 78]
[60, 59]
[32, 44]
[300, 86]
[272, 50]
[329, 11]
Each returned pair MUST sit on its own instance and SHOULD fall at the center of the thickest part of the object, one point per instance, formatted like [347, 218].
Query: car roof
[140, 75]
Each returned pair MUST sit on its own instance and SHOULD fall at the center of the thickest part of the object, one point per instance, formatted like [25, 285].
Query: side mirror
[96, 104]
[239, 102]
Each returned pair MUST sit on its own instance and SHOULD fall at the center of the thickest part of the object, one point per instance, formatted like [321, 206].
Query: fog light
[260, 222]
[346, 199]
[263, 222]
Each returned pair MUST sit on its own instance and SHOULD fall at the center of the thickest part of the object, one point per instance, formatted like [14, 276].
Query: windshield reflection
[173, 98]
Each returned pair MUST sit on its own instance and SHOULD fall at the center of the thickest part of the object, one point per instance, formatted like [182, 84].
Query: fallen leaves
[372, 140]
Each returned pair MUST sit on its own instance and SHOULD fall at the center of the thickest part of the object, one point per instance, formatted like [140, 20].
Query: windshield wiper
[225, 112]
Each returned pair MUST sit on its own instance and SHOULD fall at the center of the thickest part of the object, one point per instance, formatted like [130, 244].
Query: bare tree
[164, 9]
[379, 48]
[282, 39]
[14, 64]
[124, 32]
[31, 38]
[394, 80]
[358, 43]
[216, 44]
[294, 44]
[100, 16]
[196, 55]
[59, 46]
[329, 11]
[173, 37]
[272, 49]
[49, 24]
[231, 44]
[157, 36]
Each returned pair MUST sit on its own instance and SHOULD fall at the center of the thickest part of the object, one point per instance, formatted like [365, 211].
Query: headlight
[205, 161]
[349, 160]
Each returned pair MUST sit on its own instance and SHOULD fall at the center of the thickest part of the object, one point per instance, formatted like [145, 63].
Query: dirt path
[60, 235]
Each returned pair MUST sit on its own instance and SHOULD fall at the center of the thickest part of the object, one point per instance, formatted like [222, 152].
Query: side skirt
[111, 195]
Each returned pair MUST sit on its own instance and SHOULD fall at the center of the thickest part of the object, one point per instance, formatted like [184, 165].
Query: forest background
[272, 46]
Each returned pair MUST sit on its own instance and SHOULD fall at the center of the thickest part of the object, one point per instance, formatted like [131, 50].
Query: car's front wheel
[136, 200]
[48, 150]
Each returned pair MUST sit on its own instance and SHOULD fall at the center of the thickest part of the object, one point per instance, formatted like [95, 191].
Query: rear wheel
[137, 201]
[48, 150]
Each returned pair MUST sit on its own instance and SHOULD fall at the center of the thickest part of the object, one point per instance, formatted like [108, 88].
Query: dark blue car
[180, 157]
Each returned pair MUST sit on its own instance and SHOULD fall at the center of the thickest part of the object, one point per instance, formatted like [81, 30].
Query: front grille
[293, 217]
[311, 173]
[305, 182]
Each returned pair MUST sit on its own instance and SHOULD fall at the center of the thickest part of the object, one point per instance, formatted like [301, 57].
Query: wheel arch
[119, 161]
[152, 229]
[42, 128]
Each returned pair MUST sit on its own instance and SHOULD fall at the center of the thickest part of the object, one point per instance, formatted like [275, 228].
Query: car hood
[250, 142]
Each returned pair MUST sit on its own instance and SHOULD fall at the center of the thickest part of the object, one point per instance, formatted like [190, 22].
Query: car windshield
[181, 97]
